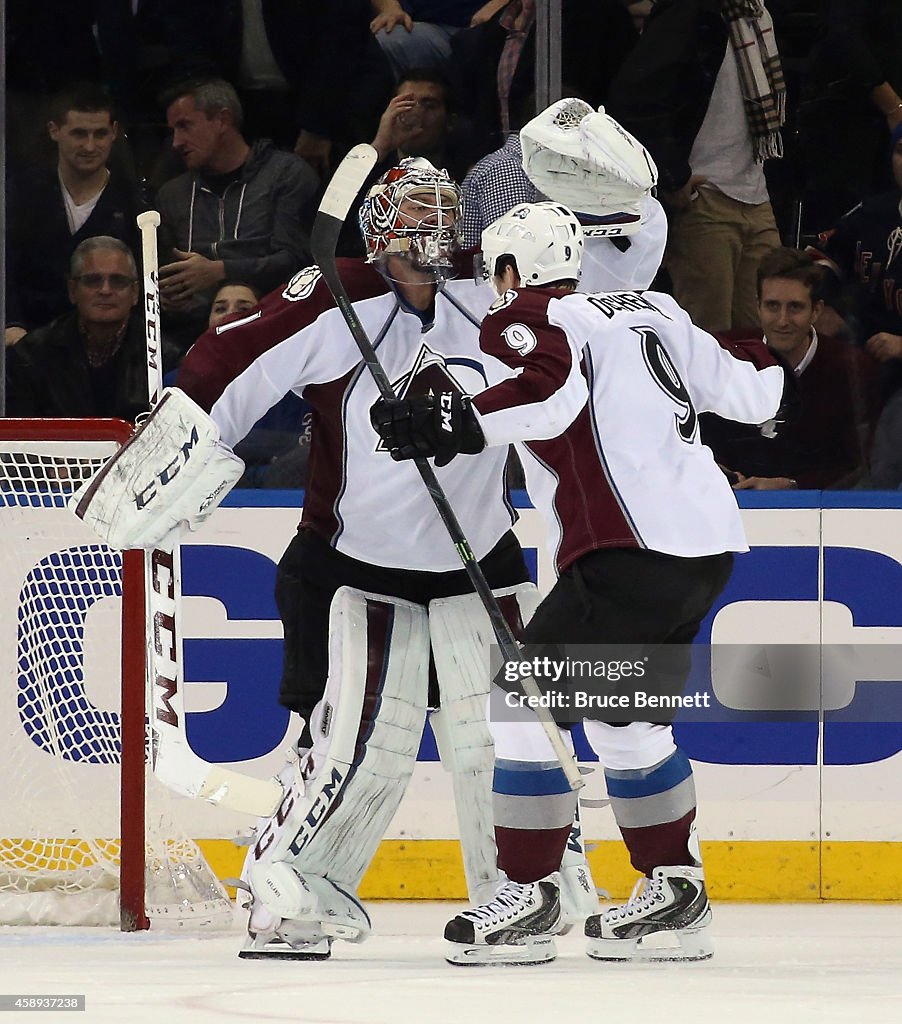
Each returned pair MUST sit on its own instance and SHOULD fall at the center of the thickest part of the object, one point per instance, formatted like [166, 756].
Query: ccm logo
[169, 472]
[317, 812]
[445, 400]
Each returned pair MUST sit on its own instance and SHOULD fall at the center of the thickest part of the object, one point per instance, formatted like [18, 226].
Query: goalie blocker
[173, 471]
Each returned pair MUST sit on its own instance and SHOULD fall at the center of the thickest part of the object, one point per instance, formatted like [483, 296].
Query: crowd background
[229, 116]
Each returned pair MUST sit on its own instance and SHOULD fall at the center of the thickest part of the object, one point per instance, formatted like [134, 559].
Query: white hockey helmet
[432, 235]
[585, 159]
[545, 239]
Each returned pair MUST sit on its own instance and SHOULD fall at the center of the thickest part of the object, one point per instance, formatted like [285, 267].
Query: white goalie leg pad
[579, 896]
[366, 733]
[302, 910]
[173, 470]
[461, 632]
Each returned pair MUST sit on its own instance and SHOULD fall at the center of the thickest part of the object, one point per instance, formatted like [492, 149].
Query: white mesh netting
[60, 699]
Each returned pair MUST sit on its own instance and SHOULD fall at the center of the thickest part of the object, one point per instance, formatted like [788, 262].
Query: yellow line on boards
[769, 871]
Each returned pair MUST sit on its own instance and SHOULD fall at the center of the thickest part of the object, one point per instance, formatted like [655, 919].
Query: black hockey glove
[441, 425]
[790, 403]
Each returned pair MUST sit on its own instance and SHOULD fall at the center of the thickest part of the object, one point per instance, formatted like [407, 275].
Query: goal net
[86, 831]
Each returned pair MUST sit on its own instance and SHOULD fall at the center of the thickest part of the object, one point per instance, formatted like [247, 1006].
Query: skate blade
[536, 949]
[277, 949]
[658, 947]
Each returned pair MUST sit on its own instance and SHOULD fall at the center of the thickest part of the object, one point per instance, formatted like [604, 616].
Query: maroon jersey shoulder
[516, 332]
[223, 352]
[517, 312]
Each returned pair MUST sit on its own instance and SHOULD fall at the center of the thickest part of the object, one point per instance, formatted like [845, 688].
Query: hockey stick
[346, 182]
[174, 763]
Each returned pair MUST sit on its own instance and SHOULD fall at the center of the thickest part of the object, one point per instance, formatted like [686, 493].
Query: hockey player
[371, 576]
[601, 393]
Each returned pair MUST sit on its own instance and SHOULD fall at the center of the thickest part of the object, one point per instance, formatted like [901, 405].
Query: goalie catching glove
[172, 470]
[441, 425]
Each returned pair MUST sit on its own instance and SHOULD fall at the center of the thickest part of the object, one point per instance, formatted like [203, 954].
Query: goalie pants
[615, 596]
[311, 571]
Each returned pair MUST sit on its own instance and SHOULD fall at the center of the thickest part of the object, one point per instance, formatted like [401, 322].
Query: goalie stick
[174, 763]
[340, 193]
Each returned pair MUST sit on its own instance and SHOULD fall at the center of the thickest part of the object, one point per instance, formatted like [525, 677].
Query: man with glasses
[90, 361]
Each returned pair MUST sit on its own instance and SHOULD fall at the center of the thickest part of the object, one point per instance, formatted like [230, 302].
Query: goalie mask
[585, 159]
[414, 209]
[545, 239]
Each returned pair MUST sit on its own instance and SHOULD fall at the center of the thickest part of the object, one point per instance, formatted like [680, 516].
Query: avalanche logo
[503, 301]
[302, 284]
[431, 374]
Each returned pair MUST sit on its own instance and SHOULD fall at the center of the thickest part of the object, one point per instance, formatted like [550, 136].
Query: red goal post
[73, 700]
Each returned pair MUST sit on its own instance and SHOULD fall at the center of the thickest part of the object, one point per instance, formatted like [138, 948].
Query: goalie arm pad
[172, 470]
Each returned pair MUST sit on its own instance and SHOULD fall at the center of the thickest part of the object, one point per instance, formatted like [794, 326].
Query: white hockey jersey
[633, 261]
[605, 390]
[357, 498]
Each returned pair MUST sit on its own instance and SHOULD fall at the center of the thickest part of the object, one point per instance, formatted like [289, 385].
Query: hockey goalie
[379, 620]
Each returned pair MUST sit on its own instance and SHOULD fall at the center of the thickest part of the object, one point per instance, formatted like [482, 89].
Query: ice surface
[799, 964]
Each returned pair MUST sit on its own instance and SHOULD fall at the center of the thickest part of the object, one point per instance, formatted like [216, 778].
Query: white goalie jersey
[357, 498]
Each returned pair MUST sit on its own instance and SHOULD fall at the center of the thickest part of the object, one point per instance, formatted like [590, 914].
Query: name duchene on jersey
[611, 303]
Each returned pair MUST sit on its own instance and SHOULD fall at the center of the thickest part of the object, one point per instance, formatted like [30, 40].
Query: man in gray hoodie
[236, 212]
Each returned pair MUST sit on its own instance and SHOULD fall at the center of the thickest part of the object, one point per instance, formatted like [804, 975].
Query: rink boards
[803, 804]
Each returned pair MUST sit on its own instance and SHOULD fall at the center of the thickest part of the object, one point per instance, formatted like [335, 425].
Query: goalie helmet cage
[73, 734]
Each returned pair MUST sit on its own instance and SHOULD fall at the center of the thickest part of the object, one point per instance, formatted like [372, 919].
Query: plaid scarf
[760, 73]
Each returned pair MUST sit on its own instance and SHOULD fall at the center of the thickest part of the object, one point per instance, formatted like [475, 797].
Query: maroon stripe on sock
[527, 854]
[510, 608]
[657, 846]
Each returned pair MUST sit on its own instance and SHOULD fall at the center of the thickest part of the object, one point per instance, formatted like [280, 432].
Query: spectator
[864, 254]
[595, 39]
[495, 61]
[497, 183]
[38, 64]
[311, 76]
[886, 453]
[276, 448]
[419, 121]
[51, 210]
[92, 361]
[231, 298]
[703, 90]
[236, 212]
[852, 90]
[418, 33]
[827, 445]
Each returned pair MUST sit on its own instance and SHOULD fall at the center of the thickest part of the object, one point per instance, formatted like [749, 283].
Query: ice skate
[274, 946]
[297, 917]
[666, 918]
[515, 927]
